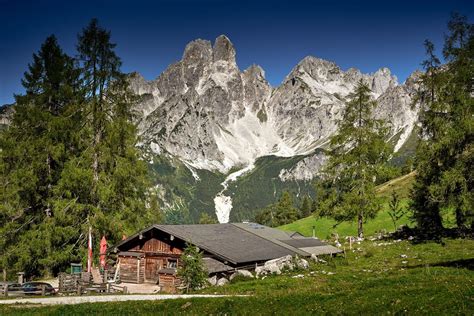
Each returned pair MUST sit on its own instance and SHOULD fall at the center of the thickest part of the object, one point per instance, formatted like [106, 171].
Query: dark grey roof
[263, 231]
[228, 242]
[303, 242]
[213, 266]
[272, 234]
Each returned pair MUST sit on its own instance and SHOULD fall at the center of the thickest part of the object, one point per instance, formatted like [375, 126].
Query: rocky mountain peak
[317, 68]
[223, 49]
[412, 82]
[254, 71]
[256, 88]
[382, 80]
[197, 51]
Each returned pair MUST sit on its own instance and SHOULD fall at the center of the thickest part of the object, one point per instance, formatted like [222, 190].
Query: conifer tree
[445, 155]
[281, 213]
[100, 67]
[306, 206]
[207, 219]
[107, 185]
[358, 155]
[191, 269]
[286, 211]
[34, 150]
[69, 160]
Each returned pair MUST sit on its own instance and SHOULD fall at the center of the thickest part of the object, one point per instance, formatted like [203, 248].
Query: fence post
[79, 290]
[21, 277]
[5, 290]
[43, 290]
[124, 290]
[4, 275]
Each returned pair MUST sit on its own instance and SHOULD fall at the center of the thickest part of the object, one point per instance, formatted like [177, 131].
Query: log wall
[157, 246]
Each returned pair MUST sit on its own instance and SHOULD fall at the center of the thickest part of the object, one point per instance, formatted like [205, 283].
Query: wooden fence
[82, 283]
[6, 291]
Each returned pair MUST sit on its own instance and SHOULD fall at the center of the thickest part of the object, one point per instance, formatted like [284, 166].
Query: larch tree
[358, 155]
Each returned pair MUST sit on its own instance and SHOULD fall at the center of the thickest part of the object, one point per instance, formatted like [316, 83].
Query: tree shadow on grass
[459, 264]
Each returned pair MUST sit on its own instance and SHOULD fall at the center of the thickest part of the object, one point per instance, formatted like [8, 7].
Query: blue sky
[150, 35]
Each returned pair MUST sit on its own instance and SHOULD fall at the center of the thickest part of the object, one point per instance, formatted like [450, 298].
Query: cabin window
[172, 263]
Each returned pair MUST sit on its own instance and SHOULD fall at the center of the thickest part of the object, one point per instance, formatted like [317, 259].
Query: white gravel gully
[67, 300]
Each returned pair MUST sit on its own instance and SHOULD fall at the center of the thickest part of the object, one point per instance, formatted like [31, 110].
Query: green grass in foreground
[371, 280]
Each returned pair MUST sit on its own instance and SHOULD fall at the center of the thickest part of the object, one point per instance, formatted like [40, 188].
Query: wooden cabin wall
[157, 246]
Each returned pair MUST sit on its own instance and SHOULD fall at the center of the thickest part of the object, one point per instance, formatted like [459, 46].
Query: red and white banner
[89, 251]
[103, 252]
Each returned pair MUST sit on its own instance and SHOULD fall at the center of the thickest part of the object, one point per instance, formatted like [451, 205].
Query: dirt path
[65, 300]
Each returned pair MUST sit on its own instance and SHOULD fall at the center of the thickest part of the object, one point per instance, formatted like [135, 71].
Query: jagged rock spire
[223, 49]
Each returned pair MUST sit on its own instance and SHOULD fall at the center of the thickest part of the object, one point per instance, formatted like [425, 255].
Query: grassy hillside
[326, 226]
[373, 280]
[401, 185]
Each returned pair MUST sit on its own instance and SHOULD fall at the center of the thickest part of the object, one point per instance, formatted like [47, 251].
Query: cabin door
[152, 266]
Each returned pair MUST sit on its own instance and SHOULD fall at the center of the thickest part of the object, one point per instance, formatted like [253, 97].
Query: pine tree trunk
[96, 141]
[360, 229]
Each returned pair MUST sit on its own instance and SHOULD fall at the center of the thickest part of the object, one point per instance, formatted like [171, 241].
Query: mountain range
[208, 116]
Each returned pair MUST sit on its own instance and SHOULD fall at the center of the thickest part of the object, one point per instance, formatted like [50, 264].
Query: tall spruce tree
[107, 185]
[100, 67]
[445, 156]
[358, 156]
[33, 152]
